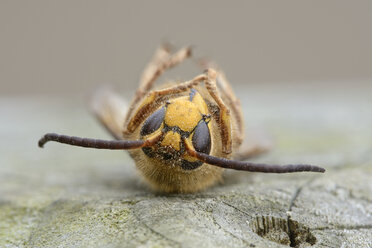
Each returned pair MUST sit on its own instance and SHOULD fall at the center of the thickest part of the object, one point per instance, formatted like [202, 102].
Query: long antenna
[97, 143]
[248, 166]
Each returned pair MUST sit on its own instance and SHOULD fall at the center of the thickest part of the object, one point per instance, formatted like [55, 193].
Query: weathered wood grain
[73, 197]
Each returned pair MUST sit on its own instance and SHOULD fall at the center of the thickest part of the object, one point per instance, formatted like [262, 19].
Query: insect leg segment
[161, 61]
[234, 102]
[225, 119]
[227, 95]
[159, 64]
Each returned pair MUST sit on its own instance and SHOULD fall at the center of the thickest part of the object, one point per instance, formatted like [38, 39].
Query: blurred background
[71, 47]
[302, 69]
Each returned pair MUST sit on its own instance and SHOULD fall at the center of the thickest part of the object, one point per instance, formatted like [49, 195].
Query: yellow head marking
[184, 114]
[199, 101]
[172, 139]
[177, 122]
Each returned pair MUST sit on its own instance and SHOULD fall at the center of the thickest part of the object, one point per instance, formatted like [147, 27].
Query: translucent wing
[110, 109]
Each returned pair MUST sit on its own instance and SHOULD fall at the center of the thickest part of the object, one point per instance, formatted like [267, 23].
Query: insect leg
[225, 118]
[228, 96]
[233, 102]
[161, 62]
[161, 55]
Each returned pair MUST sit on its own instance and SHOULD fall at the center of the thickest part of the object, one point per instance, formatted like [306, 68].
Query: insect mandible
[180, 135]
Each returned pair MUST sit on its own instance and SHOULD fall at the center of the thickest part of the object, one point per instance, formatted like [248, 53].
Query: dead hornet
[180, 135]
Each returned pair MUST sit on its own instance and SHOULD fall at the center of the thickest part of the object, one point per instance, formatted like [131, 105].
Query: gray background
[71, 47]
[301, 69]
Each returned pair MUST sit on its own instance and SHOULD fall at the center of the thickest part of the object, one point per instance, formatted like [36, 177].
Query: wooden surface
[63, 196]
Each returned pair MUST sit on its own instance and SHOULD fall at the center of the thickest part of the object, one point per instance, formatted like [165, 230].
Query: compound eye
[153, 122]
[201, 140]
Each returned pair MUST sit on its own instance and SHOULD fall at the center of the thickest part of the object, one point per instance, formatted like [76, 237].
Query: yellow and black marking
[181, 118]
[175, 138]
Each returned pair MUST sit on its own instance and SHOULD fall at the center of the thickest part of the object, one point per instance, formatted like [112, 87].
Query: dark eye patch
[201, 140]
[153, 122]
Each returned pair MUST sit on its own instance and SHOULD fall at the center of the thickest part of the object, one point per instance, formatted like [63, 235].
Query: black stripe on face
[192, 94]
[187, 165]
[176, 130]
